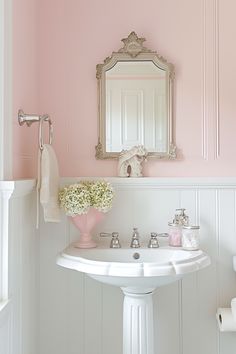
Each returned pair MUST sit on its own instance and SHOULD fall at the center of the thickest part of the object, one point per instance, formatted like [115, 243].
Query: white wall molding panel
[18, 310]
[81, 316]
[6, 190]
[6, 329]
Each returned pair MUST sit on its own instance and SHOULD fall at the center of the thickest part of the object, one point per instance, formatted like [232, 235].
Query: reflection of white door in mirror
[136, 107]
[135, 88]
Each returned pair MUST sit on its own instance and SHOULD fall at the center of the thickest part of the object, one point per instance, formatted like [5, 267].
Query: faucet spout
[135, 239]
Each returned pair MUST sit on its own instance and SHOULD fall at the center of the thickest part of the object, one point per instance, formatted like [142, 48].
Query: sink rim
[197, 260]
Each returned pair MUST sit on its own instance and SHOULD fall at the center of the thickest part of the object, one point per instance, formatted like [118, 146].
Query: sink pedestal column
[137, 323]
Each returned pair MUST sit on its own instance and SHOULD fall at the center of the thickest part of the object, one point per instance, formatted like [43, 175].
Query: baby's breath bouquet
[77, 198]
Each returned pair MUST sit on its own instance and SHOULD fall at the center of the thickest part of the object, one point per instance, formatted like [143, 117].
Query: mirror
[135, 88]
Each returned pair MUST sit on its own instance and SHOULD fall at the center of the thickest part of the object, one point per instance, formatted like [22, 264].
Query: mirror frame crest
[133, 49]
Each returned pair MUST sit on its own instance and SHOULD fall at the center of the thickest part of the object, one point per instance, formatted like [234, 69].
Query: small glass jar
[190, 238]
[175, 234]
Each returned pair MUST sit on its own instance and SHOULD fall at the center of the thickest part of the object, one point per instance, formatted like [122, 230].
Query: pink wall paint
[75, 35]
[25, 85]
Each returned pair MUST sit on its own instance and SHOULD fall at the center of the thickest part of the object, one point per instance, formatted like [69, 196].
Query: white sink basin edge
[152, 263]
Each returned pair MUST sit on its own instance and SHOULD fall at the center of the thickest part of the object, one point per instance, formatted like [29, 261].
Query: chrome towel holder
[24, 118]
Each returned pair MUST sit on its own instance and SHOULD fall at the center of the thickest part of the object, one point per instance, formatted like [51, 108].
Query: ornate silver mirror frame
[134, 51]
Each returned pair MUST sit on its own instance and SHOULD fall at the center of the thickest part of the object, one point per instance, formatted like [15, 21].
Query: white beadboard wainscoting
[18, 311]
[81, 316]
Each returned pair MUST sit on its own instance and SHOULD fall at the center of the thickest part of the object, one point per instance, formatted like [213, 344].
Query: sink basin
[127, 267]
[138, 272]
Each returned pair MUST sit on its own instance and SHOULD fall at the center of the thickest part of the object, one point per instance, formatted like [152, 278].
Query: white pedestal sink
[138, 272]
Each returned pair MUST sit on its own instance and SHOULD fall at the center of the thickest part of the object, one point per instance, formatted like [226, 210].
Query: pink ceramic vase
[85, 223]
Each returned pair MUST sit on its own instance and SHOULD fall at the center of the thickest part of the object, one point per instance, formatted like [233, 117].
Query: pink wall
[25, 84]
[75, 35]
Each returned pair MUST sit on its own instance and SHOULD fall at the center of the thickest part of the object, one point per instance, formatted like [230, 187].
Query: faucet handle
[153, 242]
[105, 234]
[163, 234]
[115, 243]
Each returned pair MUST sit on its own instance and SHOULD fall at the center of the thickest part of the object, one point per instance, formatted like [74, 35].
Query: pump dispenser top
[180, 217]
[175, 227]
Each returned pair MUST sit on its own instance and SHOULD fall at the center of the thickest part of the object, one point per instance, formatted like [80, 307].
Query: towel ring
[24, 118]
[45, 118]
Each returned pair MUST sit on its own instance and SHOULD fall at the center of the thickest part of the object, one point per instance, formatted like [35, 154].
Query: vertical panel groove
[11, 332]
[68, 239]
[180, 302]
[235, 211]
[216, 78]
[204, 116]
[83, 314]
[20, 298]
[131, 328]
[217, 230]
[197, 208]
[197, 219]
[102, 318]
[180, 297]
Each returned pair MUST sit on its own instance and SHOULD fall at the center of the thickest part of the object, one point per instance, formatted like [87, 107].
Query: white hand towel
[48, 186]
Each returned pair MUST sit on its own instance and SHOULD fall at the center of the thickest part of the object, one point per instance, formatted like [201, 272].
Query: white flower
[79, 197]
[101, 193]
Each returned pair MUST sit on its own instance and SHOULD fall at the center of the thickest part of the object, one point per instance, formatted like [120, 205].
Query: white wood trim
[8, 189]
[6, 322]
[5, 89]
[5, 195]
[19, 188]
[185, 312]
[5, 306]
[160, 183]
[26, 186]
[23, 187]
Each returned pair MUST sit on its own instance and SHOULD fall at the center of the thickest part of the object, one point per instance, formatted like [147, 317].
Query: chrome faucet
[153, 242]
[115, 242]
[135, 239]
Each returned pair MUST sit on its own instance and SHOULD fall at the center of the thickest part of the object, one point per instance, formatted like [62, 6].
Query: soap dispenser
[182, 218]
[175, 227]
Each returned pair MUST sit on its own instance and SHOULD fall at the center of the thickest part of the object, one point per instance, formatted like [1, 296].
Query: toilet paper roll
[226, 320]
[233, 308]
